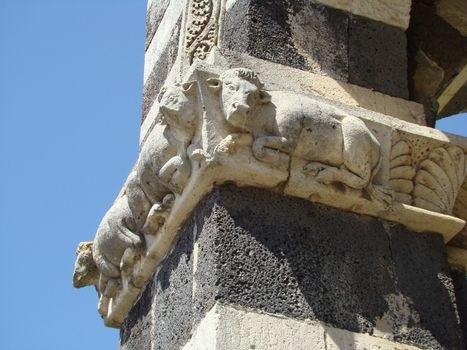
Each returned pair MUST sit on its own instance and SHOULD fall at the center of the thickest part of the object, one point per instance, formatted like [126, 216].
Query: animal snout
[241, 107]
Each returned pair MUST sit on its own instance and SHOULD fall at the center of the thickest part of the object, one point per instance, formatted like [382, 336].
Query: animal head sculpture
[85, 273]
[240, 92]
[177, 104]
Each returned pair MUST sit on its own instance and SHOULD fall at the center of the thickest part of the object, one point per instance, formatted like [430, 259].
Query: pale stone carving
[223, 126]
[339, 147]
[201, 28]
[439, 178]
[85, 272]
[402, 170]
[159, 174]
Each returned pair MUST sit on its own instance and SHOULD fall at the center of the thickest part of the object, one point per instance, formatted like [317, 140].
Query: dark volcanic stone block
[136, 332]
[251, 248]
[299, 34]
[377, 56]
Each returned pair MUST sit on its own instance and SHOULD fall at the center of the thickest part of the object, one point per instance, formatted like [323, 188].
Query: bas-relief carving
[428, 176]
[158, 177]
[338, 147]
[201, 28]
[229, 128]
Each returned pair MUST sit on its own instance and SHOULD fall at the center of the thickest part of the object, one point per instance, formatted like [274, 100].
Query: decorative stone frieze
[201, 28]
[225, 125]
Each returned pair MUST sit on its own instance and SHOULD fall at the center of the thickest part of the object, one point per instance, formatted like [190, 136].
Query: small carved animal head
[177, 104]
[85, 273]
[241, 92]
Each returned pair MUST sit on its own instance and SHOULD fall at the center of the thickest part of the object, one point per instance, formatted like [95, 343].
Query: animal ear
[214, 85]
[264, 97]
[189, 87]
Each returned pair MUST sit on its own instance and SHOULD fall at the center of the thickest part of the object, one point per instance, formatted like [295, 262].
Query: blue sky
[71, 77]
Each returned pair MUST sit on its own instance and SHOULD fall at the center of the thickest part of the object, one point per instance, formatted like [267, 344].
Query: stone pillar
[288, 194]
[256, 270]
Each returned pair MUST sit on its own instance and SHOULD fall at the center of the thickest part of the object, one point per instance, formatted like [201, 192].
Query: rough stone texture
[305, 261]
[168, 301]
[460, 286]
[154, 17]
[136, 334]
[251, 26]
[173, 310]
[377, 56]
[320, 39]
[160, 71]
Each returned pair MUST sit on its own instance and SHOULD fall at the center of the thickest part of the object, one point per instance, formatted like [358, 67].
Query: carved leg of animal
[113, 287]
[158, 214]
[103, 305]
[169, 168]
[129, 258]
[327, 174]
[180, 177]
[362, 157]
[196, 153]
[131, 239]
[108, 288]
[104, 265]
[272, 149]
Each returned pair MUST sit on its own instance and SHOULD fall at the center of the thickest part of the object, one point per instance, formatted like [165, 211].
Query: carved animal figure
[339, 146]
[161, 170]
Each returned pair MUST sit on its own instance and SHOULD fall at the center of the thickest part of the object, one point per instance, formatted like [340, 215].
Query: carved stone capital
[227, 125]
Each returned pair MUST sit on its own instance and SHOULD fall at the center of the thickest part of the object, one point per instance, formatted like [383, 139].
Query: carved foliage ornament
[431, 179]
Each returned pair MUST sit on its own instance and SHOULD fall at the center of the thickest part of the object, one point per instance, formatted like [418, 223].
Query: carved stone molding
[224, 125]
[201, 28]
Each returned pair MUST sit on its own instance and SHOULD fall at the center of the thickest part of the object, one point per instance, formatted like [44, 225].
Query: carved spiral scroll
[439, 179]
[201, 28]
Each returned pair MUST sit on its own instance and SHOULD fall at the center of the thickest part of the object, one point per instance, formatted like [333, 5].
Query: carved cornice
[223, 125]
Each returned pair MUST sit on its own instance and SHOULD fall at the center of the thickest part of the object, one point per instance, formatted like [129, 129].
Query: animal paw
[314, 168]
[197, 154]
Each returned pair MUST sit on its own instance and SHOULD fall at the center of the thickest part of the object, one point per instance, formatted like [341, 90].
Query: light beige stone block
[227, 327]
